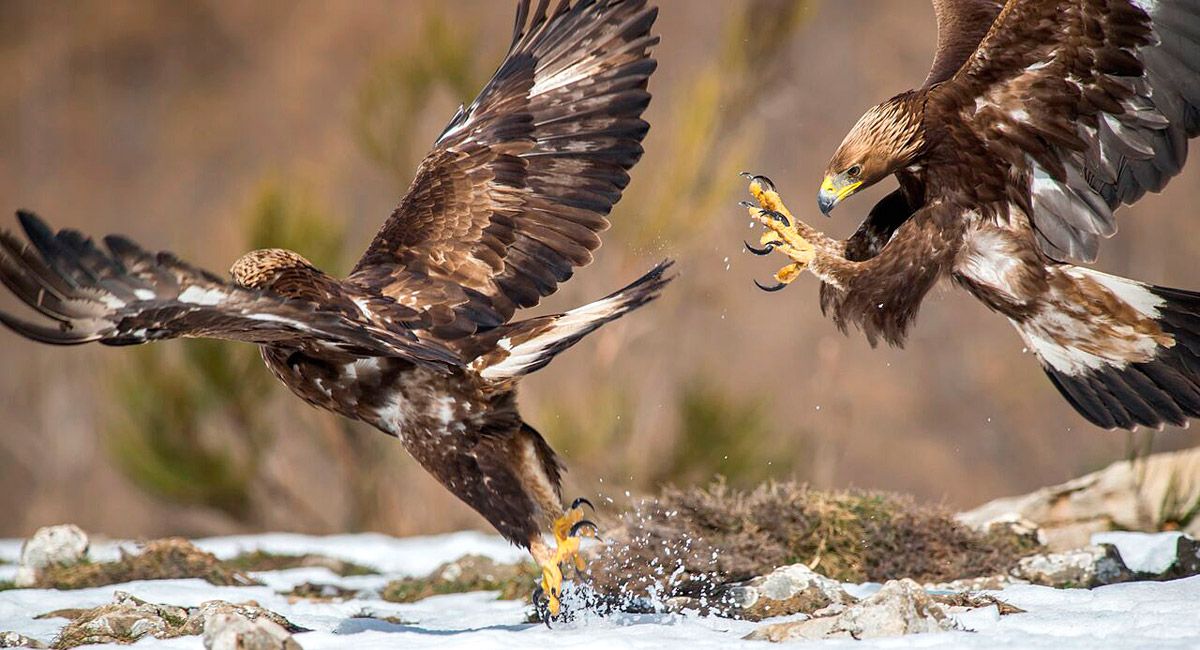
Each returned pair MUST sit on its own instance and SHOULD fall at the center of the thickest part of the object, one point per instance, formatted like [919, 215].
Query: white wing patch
[991, 260]
[202, 296]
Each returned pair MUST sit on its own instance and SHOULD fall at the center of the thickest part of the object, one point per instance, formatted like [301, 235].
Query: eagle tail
[1135, 362]
[518, 349]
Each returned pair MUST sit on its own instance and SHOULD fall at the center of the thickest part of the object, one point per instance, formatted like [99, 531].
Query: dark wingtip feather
[42, 333]
[1164, 390]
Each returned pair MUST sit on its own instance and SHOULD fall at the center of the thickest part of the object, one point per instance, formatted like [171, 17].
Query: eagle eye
[854, 171]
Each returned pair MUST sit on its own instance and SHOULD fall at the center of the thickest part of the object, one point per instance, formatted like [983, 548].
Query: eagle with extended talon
[1038, 120]
[419, 341]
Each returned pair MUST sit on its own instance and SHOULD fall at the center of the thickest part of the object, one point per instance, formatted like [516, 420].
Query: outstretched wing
[1091, 102]
[126, 296]
[515, 191]
[961, 25]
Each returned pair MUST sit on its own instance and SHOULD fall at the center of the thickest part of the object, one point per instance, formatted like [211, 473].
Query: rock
[15, 640]
[899, 607]
[1187, 559]
[982, 583]
[226, 630]
[1156, 493]
[128, 619]
[794, 589]
[61, 545]
[251, 611]
[1090, 566]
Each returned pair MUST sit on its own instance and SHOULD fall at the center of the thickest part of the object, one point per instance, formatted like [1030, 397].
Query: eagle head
[886, 139]
[262, 269]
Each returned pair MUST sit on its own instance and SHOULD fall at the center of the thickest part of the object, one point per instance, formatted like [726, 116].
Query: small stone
[61, 545]
[899, 607]
[250, 611]
[225, 630]
[15, 640]
[1090, 566]
[793, 589]
[981, 583]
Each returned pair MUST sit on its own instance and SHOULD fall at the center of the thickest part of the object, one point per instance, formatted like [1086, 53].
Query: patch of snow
[1130, 615]
[1143, 552]
[411, 556]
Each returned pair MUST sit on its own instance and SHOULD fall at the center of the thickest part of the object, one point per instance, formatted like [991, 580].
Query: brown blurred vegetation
[212, 127]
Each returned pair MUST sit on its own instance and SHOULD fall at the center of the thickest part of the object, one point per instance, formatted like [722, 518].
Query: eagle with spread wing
[419, 340]
[1038, 120]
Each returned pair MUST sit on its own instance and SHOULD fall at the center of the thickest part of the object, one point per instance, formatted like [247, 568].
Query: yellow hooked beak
[833, 190]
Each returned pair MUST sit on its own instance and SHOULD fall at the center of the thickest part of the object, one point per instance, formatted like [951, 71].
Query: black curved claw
[765, 250]
[584, 523]
[582, 501]
[778, 216]
[771, 289]
[762, 180]
[539, 604]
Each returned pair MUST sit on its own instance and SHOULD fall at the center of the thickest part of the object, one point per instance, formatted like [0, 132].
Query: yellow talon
[566, 537]
[778, 235]
[789, 273]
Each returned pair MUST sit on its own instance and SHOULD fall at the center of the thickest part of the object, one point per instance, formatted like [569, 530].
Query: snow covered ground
[1134, 615]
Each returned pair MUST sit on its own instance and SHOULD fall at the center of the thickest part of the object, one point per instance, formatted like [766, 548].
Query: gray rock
[225, 630]
[1139, 495]
[980, 583]
[899, 607]
[15, 640]
[65, 544]
[128, 619]
[1090, 566]
[251, 611]
[794, 589]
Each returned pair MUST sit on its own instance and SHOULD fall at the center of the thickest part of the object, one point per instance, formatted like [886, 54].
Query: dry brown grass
[468, 573]
[686, 542]
[162, 559]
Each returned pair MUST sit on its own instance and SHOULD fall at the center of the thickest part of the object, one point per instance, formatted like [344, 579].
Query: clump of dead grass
[467, 573]
[688, 542]
[162, 559]
[266, 561]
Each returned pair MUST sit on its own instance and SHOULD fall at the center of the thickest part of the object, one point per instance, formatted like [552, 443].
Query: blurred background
[213, 127]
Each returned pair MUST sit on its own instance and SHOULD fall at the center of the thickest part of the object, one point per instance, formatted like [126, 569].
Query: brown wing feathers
[1095, 100]
[961, 25]
[128, 296]
[514, 194]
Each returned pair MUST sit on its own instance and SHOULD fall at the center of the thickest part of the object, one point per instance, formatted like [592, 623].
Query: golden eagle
[418, 340]
[1038, 120]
